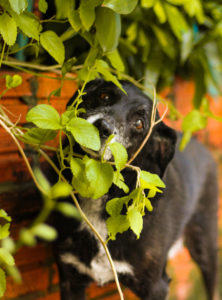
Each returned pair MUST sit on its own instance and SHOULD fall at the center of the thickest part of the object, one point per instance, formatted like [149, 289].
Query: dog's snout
[105, 127]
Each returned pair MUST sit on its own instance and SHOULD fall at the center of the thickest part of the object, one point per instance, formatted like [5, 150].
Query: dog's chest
[99, 268]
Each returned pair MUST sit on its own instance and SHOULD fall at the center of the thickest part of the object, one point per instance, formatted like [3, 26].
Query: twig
[89, 224]
[23, 155]
[152, 124]
[2, 123]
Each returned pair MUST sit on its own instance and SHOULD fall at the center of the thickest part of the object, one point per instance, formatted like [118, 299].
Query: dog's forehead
[132, 96]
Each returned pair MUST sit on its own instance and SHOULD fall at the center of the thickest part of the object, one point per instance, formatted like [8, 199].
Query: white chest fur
[99, 269]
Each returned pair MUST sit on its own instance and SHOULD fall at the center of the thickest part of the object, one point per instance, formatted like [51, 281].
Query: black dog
[188, 206]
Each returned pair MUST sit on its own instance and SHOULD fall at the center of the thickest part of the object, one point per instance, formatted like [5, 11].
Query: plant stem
[23, 155]
[2, 54]
[88, 223]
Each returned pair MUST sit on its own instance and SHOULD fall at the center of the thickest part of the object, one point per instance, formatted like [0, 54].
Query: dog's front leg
[72, 283]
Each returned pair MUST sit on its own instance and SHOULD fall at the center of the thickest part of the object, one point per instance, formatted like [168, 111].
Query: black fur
[187, 207]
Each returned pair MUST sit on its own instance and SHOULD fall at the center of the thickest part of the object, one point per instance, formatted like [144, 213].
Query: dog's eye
[139, 124]
[104, 96]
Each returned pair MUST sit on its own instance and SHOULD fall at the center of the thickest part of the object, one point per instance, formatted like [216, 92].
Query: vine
[134, 40]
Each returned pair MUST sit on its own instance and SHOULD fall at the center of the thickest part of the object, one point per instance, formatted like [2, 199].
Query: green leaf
[117, 224]
[132, 32]
[179, 26]
[85, 134]
[39, 135]
[9, 244]
[148, 205]
[67, 66]
[13, 272]
[135, 220]
[107, 35]
[4, 215]
[18, 5]
[121, 7]
[194, 8]
[102, 67]
[68, 210]
[160, 11]
[13, 81]
[45, 232]
[8, 29]
[165, 41]
[42, 180]
[74, 20]
[44, 116]
[194, 121]
[118, 180]
[6, 257]
[120, 155]
[200, 86]
[115, 60]
[100, 177]
[187, 135]
[147, 3]
[186, 44]
[43, 6]
[63, 8]
[2, 282]
[87, 12]
[28, 23]
[147, 178]
[80, 182]
[51, 42]
[27, 237]
[4, 231]
[60, 190]
[115, 206]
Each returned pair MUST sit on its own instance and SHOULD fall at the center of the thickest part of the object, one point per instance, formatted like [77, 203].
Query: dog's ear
[161, 147]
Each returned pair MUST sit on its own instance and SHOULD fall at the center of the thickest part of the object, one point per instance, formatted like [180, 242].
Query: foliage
[150, 40]
[141, 38]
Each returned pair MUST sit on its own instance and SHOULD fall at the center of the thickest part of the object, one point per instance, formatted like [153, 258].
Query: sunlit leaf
[51, 42]
[43, 6]
[121, 7]
[117, 224]
[44, 116]
[115, 206]
[108, 36]
[8, 29]
[13, 81]
[87, 12]
[28, 23]
[6, 257]
[120, 155]
[84, 133]
[135, 220]
[39, 135]
[100, 177]
[45, 232]
[18, 5]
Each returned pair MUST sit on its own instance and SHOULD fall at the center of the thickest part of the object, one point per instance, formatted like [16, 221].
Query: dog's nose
[105, 127]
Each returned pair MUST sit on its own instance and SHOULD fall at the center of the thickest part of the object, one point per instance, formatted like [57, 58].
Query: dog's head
[127, 116]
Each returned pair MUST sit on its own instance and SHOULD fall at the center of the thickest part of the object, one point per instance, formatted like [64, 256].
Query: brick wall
[39, 273]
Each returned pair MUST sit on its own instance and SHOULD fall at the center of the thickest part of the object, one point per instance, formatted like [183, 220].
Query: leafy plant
[128, 39]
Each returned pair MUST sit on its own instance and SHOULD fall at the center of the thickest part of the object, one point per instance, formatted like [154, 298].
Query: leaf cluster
[93, 178]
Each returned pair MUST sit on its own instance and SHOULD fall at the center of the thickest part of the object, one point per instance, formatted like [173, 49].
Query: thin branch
[88, 223]
[152, 124]
[7, 129]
